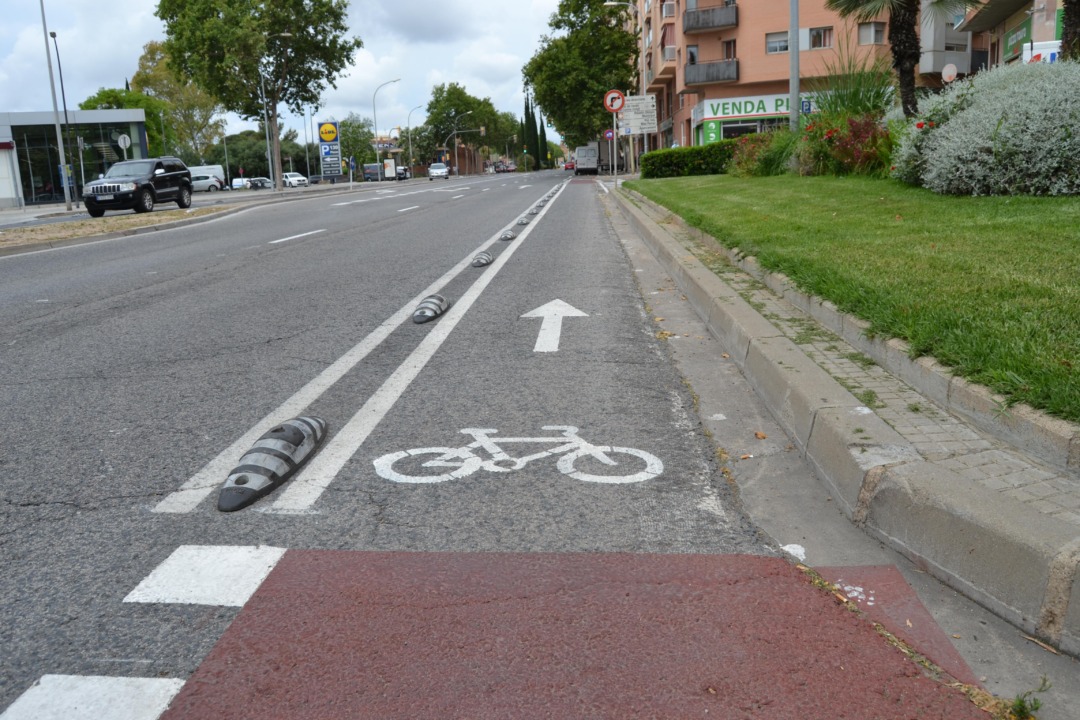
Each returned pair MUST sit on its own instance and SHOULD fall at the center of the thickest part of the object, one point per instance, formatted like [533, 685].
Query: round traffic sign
[614, 101]
[608, 134]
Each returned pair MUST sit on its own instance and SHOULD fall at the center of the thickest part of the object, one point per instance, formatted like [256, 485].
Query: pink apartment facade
[720, 68]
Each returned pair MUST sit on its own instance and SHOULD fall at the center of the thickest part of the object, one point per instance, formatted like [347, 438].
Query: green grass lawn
[987, 285]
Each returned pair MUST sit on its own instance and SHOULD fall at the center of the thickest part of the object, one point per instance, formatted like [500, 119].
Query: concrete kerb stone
[1004, 555]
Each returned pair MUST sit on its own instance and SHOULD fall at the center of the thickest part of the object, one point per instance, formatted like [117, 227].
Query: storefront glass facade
[100, 135]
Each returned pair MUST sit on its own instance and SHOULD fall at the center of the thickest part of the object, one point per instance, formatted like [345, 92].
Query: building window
[820, 38]
[872, 33]
[776, 42]
[691, 54]
[729, 50]
[956, 47]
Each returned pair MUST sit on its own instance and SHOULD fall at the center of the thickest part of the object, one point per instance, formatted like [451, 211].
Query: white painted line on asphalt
[413, 207]
[225, 575]
[307, 487]
[457, 196]
[211, 476]
[295, 237]
[86, 697]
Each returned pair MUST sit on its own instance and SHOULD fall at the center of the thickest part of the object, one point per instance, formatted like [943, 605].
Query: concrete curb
[1006, 556]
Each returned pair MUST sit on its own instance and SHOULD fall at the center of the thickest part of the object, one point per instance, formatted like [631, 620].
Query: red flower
[919, 125]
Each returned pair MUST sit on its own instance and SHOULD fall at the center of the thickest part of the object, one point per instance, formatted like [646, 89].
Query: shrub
[763, 154]
[711, 159]
[1011, 130]
[843, 144]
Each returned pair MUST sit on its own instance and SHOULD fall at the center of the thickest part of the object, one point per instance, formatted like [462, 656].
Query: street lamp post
[456, 118]
[56, 110]
[408, 125]
[375, 119]
[67, 121]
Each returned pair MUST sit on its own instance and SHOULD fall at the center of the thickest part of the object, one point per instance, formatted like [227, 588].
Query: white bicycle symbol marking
[454, 463]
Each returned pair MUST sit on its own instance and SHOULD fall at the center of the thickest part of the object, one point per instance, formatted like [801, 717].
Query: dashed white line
[294, 237]
[413, 207]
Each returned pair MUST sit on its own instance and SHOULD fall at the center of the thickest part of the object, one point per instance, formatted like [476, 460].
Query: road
[136, 372]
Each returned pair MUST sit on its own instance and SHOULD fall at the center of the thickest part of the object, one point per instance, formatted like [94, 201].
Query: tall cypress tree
[543, 144]
[530, 136]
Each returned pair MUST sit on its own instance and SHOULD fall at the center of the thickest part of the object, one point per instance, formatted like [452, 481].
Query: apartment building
[721, 68]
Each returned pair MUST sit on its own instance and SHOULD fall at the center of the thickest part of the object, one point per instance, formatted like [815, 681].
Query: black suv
[139, 184]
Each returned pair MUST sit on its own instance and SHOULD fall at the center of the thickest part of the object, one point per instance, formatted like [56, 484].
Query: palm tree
[1070, 31]
[903, 33]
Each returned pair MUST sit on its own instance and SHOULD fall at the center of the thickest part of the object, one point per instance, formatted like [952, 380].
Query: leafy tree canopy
[156, 111]
[570, 73]
[239, 52]
[193, 114]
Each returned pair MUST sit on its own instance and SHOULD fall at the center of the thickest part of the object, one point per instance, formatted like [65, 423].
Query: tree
[570, 72]
[191, 110]
[254, 56]
[903, 33]
[357, 138]
[1070, 31]
[451, 107]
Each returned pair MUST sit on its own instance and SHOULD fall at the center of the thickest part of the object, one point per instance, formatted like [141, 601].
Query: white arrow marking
[551, 328]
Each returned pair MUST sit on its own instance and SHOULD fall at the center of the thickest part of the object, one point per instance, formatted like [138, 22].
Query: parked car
[374, 172]
[206, 183]
[294, 179]
[403, 173]
[138, 185]
[568, 165]
[239, 183]
[257, 183]
[438, 170]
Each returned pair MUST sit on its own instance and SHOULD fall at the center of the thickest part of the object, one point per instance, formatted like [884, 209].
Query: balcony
[716, 18]
[721, 71]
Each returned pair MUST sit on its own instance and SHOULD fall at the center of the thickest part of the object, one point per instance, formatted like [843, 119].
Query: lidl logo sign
[328, 132]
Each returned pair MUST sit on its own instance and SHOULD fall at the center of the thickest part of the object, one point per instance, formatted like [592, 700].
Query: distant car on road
[239, 183]
[294, 179]
[438, 170]
[257, 183]
[569, 165]
[206, 183]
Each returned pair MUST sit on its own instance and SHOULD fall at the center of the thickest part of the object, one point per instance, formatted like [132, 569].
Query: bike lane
[532, 593]
[503, 586]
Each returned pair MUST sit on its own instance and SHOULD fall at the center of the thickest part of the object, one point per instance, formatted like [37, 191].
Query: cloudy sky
[479, 44]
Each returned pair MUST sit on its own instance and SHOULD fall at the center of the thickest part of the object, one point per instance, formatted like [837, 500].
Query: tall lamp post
[375, 119]
[408, 125]
[56, 110]
[456, 118]
[67, 121]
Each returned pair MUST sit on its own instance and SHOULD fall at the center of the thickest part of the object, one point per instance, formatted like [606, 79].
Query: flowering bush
[748, 151]
[1014, 129]
[842, 144]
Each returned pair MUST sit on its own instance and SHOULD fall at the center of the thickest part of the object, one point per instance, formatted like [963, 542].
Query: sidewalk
[984, 497]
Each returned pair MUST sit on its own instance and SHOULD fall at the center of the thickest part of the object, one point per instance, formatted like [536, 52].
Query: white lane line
[408, 208]
[88, 697]
[457, 197]
[294, 237]
[213, 474]
[224, 575]
[305, 489]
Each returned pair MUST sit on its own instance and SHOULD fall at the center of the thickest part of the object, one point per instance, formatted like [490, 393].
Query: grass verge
[989, 286]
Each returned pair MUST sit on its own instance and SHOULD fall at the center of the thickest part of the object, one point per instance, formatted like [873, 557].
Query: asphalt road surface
[532, 457]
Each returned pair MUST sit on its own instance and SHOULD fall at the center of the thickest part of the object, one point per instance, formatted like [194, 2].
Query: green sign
[1016, 38]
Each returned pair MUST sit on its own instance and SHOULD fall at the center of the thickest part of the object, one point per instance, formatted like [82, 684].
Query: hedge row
[711, 159]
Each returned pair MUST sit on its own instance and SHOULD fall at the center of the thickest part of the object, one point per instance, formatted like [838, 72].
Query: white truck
[587, 159]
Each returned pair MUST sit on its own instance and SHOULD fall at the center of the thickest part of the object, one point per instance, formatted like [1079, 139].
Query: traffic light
[525, 148]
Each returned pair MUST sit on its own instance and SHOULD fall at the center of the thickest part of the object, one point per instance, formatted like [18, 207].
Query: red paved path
[446, 635]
